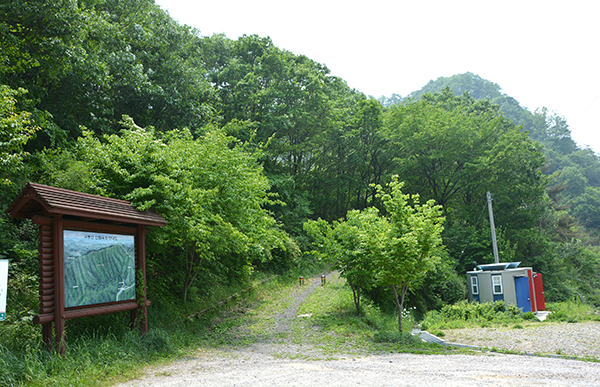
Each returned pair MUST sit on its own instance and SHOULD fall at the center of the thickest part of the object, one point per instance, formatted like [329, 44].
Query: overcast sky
[542, 53]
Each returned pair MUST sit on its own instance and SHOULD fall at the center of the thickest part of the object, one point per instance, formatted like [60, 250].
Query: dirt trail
[284, 319]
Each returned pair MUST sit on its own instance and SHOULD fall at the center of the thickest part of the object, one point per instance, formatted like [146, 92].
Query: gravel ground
[276, 363]
[580, 340]
[247, 368]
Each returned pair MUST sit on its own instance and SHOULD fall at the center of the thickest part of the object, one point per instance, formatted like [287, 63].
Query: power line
[586, 109]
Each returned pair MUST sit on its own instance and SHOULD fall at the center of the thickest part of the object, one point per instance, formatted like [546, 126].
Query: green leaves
[414, 238]
[211, 191]
[90, 62]
[16, 128]
[348, 246]
[453, 149]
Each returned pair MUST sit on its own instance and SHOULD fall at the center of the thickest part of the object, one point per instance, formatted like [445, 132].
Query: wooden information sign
[91, 253]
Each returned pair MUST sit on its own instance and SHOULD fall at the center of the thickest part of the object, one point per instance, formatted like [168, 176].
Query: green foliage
[473, 84]
[210, 190]
[574, 269]
[323, 145]
[395, 337]
[395, 251]
[88, 63]
[455, 148]
[464, 313]
[284, 258]
[16, 129]
[575, 170]
[89, 359]
[572, 311]
[346, 246]
[441, 286]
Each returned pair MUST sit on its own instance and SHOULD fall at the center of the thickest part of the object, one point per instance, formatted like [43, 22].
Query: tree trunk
[190, 263]
[356, 296]
[400, 302]
[399, 306]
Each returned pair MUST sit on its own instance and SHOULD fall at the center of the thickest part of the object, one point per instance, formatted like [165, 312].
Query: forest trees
[210, 190]
[323, 141]
[453, 149]
[547, 224]
[89, 62]
[396, 250]
[16, 128]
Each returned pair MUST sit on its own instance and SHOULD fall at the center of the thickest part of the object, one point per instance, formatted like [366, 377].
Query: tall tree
[297, 109]
[413, 244]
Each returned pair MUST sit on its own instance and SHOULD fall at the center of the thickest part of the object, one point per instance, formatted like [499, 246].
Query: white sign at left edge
[3, 287]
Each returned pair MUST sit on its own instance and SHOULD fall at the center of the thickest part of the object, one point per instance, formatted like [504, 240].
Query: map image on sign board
[98, 268]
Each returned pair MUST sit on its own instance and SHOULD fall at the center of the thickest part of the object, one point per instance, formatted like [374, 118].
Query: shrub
[395, 337]
[465, 312]
[570, 311]
[529, 316]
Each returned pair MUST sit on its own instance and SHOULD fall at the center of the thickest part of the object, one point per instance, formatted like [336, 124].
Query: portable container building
[519, 286]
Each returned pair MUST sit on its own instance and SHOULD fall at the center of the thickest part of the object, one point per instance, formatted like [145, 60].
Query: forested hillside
[575, 170]
[237, 143]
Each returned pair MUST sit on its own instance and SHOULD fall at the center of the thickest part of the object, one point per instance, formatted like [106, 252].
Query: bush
[572, 311]
[395, 337]
[529, 316]
[483, 314]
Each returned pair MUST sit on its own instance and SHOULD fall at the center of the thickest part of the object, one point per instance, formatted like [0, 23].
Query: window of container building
[497, 284]
[474, 285]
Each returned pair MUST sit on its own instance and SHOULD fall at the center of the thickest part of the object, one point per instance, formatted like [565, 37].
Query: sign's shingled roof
[38, 199]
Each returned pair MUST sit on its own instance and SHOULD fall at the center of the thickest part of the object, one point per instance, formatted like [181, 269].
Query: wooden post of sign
[59, 285]
[141, 265]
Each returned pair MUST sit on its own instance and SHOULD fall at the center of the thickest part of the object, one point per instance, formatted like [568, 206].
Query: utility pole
[493, 227]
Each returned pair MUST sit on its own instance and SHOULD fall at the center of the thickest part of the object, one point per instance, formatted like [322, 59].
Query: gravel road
[269, 364]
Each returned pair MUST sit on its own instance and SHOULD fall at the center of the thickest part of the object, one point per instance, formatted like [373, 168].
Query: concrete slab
[541, 315]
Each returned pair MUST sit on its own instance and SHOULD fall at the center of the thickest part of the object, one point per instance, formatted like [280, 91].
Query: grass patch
[101, 350]
[572, 311]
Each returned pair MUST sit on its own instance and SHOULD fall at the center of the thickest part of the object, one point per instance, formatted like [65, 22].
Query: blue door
[522, 290]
